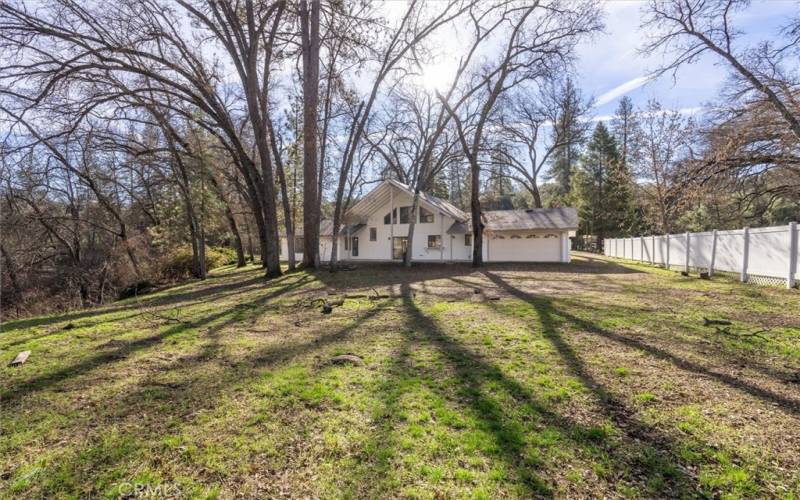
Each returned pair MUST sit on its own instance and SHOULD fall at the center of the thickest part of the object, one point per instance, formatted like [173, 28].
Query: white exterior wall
[495, 249]
[381, 249]
[324, 249]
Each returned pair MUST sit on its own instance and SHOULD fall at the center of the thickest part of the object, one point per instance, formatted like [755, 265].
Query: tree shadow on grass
[376, 274]
[194, 384]
[648, 453]
[43, 381]
[551, 317]
[196, 290]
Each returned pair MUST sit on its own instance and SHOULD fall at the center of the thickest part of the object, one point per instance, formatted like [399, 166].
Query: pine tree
[602, 188]
[568, 128]
[625, 128]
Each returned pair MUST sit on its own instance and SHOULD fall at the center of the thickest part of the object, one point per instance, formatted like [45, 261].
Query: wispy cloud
[622, 89]
[684, 111]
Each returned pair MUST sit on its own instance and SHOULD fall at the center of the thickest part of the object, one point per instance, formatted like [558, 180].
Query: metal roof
[532, 218]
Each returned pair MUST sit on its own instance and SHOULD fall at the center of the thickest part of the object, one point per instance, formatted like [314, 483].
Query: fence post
[653, 250]
[745, 253]
[686, 264]
[666, 262]
[713, 253]
[790, 281]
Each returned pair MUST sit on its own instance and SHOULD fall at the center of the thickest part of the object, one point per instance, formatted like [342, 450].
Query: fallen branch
[710, 322]
[757, 333]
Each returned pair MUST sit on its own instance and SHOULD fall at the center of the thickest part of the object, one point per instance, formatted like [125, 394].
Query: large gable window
[425, 216]
[386, 217]
[404, 211]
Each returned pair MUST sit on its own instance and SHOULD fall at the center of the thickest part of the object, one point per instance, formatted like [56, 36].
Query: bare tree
[528, 134]
[664, 142]
[687, 29]
[416, 25]
[537, 38]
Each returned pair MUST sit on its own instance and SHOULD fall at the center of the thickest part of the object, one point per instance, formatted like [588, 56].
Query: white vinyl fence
[767, 255]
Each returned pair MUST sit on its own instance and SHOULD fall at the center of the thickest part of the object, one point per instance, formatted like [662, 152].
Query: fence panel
[730, 251]
[677, 249]
[700, 249]
[636, 248]
[768, 251]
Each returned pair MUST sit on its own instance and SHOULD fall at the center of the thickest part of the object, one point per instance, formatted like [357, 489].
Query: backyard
[595, 378]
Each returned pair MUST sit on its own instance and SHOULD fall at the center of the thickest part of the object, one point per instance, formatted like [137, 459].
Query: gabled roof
[532, 218]
[379, 197]
[326, 229]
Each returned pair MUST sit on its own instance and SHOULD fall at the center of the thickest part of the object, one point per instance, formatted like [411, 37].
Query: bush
[178, 264]
[139, 288]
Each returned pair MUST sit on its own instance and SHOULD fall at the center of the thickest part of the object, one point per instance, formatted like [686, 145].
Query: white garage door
[524, 247]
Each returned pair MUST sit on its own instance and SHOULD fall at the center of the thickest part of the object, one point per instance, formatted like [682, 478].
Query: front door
[399, 247]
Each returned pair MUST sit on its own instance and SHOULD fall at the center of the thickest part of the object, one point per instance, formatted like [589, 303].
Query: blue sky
[609, 65]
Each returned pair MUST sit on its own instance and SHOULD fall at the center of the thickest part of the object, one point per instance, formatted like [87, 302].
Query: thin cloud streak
[623, 89]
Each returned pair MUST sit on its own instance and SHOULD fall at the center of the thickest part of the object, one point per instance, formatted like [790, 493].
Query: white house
[376, 229]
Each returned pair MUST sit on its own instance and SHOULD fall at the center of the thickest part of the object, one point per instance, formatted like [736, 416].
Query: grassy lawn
[595, 378]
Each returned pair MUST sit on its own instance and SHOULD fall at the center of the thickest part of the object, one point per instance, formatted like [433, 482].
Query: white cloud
[622, 89]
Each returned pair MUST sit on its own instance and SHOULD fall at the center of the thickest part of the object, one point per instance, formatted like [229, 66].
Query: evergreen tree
[602, 188]
[569, 129]
[626, 129]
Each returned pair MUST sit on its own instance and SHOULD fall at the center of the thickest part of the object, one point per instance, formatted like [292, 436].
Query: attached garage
[508, 246]
[532, 235]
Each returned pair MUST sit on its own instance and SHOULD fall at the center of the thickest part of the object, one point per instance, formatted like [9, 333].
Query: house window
[404, 211]
[467, 240]
[386, 217]
[434, 241]
[354, 246]
[298, 244]
[346, 243]
[425, 216]
[373, 234]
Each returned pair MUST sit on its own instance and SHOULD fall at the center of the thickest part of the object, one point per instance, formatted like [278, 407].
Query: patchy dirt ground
[596, 378]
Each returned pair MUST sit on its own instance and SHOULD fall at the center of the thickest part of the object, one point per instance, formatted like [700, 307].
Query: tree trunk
[411, 225]
[475, 207]
[201, 251]
[288, 218]
[311, 198]
[249, 239]
[537, 197]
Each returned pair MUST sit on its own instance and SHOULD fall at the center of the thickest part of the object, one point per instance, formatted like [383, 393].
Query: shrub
[138, 288]
[178, 264]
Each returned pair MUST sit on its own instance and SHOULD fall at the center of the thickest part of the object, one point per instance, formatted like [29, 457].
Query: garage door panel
[522, 248]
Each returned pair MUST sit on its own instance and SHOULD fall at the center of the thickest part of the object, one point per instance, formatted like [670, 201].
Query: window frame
[407, 215]
[373, 234]
[467, 239]
[437, 237]
[428, 215]
[386, 220]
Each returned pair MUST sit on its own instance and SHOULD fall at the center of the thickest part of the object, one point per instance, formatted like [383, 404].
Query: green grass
[590, 379]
